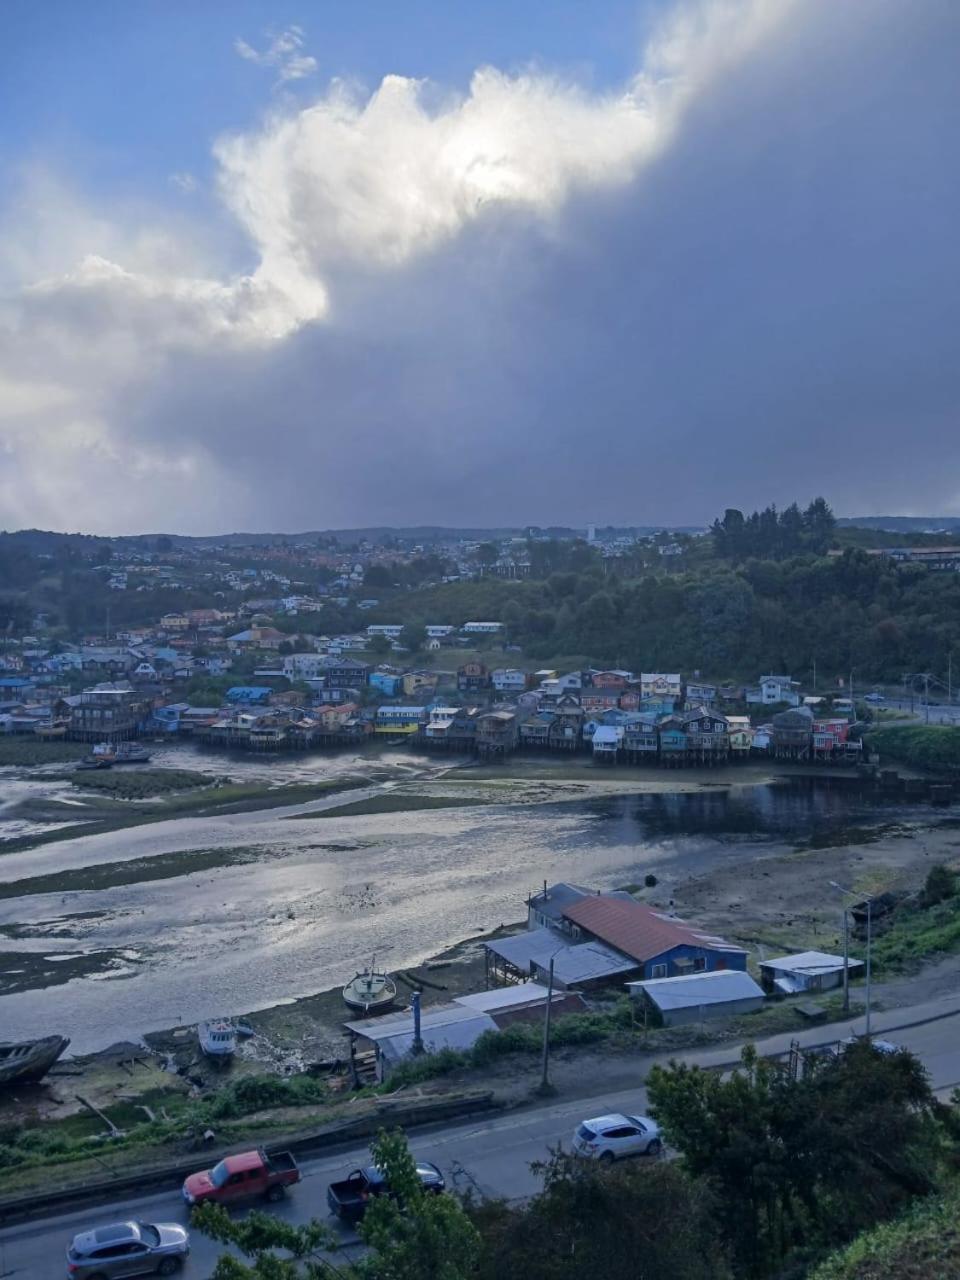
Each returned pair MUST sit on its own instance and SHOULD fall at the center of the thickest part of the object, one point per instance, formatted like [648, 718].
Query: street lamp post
[868, 898]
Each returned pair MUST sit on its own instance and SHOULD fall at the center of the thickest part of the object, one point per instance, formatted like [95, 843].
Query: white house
[437, 631]
[508, 680]
[305, 666]
[392, 630]
[481, 628]
[773, 689]
[659, 684]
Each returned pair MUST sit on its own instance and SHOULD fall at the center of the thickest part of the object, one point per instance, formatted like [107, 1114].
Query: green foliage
[801, 1165]
[916, 934]
[637, 1220]
[940, 884]
[273, 1249]
[414, 1235]
[926, 746]
[770, 534]
[921, 1244]
[140, 784]
[250, 1094]
[411, 1235]
[30, 750]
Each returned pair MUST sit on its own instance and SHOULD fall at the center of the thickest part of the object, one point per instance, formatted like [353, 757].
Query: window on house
[658, 971]
[699, 964]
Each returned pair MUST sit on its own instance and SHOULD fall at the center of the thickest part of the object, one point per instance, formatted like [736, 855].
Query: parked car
[251, 1175]
[881, 1046]
[608, 1138]
[874, 697]
[349, 1198]
[128, 1249]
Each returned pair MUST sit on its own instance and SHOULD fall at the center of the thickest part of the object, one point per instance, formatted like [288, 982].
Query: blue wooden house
[662, 945]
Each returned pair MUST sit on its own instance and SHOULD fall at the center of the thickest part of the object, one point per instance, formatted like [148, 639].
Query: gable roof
[697, 989]
[639, 931]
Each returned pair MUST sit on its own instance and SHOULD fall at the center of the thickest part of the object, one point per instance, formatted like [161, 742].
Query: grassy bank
[112, 875]
[104, 813]
[922, 1244]
[139, 784]
[79, 1147]
[925, 746]
[393, 803]
[917, 935]
[29, 750]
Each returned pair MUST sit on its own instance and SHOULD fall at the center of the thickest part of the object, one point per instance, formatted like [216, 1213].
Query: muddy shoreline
[266, 911]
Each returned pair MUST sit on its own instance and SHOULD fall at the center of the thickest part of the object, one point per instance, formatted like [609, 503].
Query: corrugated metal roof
[445, 1027]
[524, 947]
[504, 997]
[590, 960]
[572, 961]
[638, 930]
[695, 989]
[812, 963]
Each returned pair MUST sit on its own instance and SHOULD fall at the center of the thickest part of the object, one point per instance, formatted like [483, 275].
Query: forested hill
[849, 611]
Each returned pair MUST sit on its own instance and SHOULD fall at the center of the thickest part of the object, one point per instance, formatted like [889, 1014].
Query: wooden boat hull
[29, 1060]
[370, 993]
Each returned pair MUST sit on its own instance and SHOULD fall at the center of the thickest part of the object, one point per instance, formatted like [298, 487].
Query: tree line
[774, 535]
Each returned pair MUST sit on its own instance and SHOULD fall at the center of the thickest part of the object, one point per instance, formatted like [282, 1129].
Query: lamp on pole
[868, 898]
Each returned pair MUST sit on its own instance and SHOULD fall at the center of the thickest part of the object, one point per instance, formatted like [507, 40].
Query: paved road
[491, 1154]
[936, 713]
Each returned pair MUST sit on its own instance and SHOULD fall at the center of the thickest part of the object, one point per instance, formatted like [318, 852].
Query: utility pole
[846, 960]
[950, 678]
[869, 947]
[546, 1088]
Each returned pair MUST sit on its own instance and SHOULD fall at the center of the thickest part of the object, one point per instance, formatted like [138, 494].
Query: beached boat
[130, 753]
[218, 1038]
[30, 1059]
[371, 991]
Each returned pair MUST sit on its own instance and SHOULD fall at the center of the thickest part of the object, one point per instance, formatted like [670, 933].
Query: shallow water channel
[223, 915]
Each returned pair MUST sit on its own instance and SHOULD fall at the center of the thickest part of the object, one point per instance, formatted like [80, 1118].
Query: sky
[286, 266]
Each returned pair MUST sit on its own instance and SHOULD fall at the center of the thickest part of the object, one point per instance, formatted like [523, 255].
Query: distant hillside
[44, 541]
[902, 524]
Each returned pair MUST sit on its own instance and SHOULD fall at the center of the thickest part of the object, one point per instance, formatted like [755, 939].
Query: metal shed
[717, 994]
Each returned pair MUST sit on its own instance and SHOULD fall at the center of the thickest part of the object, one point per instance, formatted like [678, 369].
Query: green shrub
[941, 884]
[261, 1093]
[926, 746]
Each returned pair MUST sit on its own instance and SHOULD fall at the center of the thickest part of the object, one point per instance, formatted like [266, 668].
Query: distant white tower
[591, 533]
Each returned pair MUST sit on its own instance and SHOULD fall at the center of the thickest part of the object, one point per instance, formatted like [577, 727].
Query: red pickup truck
[253, 1174]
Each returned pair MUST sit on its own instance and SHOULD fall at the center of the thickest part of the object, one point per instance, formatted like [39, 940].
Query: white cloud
[184, 182]
[347, 183]
[283, 53]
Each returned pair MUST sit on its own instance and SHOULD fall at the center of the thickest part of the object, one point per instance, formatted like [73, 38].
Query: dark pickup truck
[251, 1175]
[349, 1198]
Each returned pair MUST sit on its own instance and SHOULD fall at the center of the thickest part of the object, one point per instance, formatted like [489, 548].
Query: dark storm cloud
[769, 311]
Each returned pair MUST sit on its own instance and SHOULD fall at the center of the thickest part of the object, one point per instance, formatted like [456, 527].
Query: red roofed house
[662, 945]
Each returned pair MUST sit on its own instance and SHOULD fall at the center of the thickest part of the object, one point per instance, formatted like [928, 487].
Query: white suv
[607, 1138]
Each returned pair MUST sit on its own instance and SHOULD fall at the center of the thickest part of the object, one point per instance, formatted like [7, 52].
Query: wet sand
[106, 937]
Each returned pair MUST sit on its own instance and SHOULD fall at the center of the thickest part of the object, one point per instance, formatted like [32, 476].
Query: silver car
[128, 1249]
[609, 1138]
